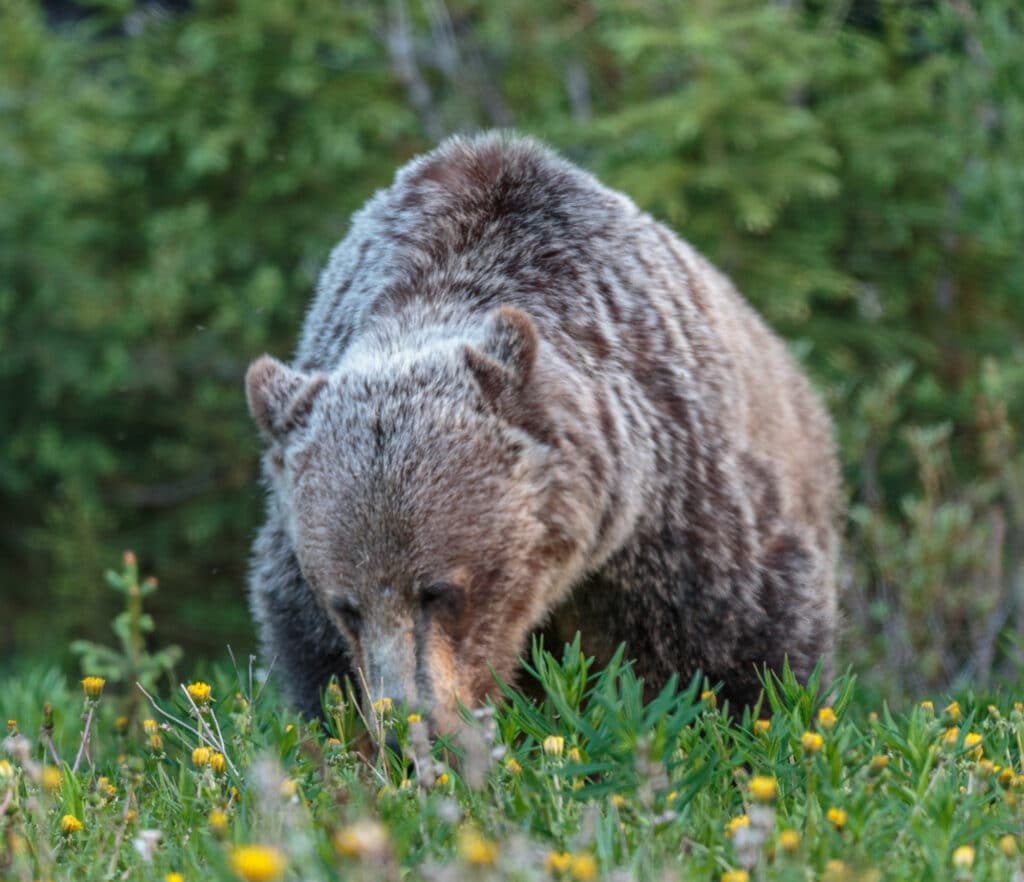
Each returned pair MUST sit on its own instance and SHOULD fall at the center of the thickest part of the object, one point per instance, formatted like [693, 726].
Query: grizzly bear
[519, 403]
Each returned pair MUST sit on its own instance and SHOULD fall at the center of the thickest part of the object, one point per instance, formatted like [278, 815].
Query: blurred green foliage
[172, 182]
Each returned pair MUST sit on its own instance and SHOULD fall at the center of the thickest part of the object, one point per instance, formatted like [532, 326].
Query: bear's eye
[442, 597]
[348, 611]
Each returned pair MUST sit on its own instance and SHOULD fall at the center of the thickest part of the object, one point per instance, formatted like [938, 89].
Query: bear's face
[417, 511]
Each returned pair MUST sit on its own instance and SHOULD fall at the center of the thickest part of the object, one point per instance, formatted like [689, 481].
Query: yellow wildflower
[218, 763]
[963, 857]
[811, 742]
[928, 707]
[557, 861]
[412, 719]
[156, 743]
[735, 823]
[258, 863]
[761, 727]
[70, 824]
[835, 871]
[735, 876]
[618, 800]
[1005, 778]
[149, 727]
[879, 762]
[826, 719]
[513, 766]
[199, 692]
[12, 724]
[789, 841]
[93, 686]
[950, 736]
[836, 817]
[573, 755]
[218, 822]
[104, 787]
[442, 779]
[583, 867]
[289, 787]
[365, 838]
[476, 850]
[6, 771]
[383, 707]
[972, 742]
[201, 757]
[51, 779]
[953, 711]
[121, 724]
[554, 745]
[763, 788]
[1008, 845]
[710, 697]
[174, 877]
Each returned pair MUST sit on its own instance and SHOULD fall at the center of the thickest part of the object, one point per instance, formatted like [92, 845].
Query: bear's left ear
[280, 398]
[504, 363]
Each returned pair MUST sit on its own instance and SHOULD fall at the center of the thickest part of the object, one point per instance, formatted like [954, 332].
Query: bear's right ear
[280, 399]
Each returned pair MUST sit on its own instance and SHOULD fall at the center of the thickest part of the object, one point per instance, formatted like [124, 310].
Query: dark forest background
[172, 177]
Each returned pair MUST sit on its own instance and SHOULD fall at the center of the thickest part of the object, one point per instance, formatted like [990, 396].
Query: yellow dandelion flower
[412, 719]
[557, 861]
[763, 788]
[710, 697]
[70, 824]
[836, 817]
[1008, 845]
[513, 766]
[554, 745]
[993, 712]
[985, 768]
[12, 724]
[583, 867]
[734, 825]
[199, 692]
[365, 838]
[258, 863]
[618, 800]
[879, 763]
[811, 742]
[1005, 778]
[963, 857]
[129, 817]
[121, 724]
[150, 727]
[174, 877]
[201, 757]
[6, 771]
[826, 719]
[789, 841]
[573, 755]
[928, 707]
[442, 779]
[835, 871]
[104, 787]
[950, 736]
[1019, 706]
[289, 787]
[735, 876]
[672, 794]
[953, 711]
[218, 822]
[972, 742]
[156, 743]
[51, 779]
[476, 850]
[93, 686]
[218, 763]
[761, 727]
[383, 707]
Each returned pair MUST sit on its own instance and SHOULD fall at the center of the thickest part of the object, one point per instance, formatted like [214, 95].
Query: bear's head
[416, 482]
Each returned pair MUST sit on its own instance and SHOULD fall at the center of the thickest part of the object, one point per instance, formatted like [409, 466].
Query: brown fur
[521, 403]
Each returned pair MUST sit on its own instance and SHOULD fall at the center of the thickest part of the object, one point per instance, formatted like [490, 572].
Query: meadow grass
[218, 779]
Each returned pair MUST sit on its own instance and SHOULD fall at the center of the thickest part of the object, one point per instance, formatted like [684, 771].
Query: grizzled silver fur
[521, 403]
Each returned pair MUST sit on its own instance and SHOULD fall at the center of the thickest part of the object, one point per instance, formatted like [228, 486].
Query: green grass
[589, 782]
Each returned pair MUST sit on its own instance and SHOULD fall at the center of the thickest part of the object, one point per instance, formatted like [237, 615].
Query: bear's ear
[280, 399]
[504, 362]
